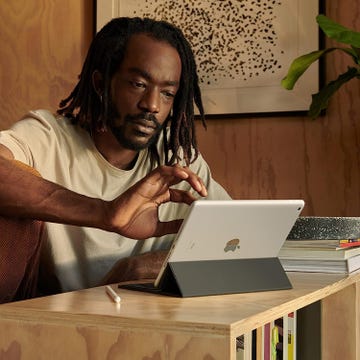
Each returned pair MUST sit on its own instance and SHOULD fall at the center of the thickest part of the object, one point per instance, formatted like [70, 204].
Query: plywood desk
[86, 324]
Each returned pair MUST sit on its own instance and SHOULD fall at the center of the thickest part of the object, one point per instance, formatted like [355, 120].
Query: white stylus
[114, 296]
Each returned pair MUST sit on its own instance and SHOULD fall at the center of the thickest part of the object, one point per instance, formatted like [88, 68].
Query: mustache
[143, 116]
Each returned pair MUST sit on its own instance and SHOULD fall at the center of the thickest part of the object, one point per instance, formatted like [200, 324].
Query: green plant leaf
[321, 99]
[300, 65]
[338, 32]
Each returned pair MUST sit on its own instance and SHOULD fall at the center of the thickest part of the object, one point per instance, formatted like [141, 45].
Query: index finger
[195, 182]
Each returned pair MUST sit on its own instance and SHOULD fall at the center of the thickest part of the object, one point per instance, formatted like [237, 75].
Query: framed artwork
[243, 48]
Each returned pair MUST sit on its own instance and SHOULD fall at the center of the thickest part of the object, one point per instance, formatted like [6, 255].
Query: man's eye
[168, 94]
[138, 84]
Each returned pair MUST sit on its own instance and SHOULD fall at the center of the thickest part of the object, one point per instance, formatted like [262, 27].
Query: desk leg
[340, 324]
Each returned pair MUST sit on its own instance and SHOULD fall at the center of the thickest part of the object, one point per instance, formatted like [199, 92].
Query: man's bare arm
[23, 194]
[133, 214]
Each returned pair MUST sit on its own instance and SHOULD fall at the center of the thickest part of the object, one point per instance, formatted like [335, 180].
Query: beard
[130, 138]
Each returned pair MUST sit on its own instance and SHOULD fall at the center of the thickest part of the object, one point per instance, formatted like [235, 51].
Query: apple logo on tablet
[232, 245]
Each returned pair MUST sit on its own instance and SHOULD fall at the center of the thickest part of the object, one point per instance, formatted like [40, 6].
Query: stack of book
[330, 245]
[329, 256]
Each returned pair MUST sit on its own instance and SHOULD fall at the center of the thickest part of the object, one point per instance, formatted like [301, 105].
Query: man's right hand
[134, 213]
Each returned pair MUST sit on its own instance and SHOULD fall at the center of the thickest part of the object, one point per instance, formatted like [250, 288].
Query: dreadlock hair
[85, 108]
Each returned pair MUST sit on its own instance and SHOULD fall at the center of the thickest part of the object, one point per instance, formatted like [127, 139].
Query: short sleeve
[29, 137]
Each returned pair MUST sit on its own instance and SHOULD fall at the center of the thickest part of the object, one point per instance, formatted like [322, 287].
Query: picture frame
[243, 48]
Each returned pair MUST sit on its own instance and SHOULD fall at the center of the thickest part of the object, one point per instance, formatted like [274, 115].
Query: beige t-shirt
[78, 257]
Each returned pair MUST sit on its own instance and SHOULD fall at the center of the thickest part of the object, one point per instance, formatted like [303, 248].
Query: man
[123, 144]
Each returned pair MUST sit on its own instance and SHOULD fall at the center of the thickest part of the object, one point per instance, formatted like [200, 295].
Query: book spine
[274, 340]
[291, 348]
[285, 337]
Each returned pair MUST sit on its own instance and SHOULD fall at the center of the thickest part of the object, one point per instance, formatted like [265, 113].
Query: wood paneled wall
[43, 45]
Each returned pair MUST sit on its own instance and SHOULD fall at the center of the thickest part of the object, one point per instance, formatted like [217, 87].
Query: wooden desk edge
[19, 311]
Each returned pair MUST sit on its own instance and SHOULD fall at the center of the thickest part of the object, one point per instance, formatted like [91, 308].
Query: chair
[20, 246]
[20, 242]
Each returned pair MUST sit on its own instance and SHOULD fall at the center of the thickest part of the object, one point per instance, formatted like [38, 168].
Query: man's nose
[150, 101]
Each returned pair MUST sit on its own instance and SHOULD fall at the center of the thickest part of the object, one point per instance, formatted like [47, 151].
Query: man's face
[143, 91]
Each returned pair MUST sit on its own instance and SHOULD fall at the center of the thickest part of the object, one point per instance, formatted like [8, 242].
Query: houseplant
[342, 35]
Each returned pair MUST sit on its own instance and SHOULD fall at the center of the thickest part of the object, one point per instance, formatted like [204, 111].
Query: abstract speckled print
[233, 41]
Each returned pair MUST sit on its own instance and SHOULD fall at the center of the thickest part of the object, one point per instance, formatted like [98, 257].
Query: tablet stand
[215, 277]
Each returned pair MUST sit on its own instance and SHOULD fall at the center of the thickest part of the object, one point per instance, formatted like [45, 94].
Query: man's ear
[98, 82]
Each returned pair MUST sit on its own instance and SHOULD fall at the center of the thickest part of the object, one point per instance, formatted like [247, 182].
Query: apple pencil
[114, 296]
